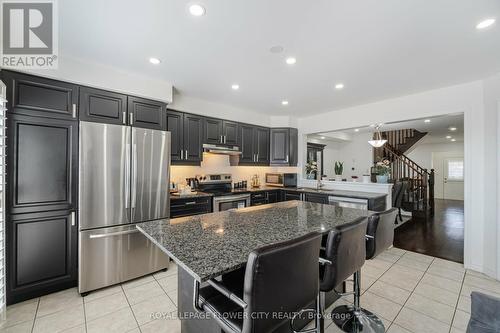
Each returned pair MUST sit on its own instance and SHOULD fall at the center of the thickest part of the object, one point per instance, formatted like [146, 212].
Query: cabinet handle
[73, 110]
[182, 154]
[225, 139]
[186, 155]
[190, 203]
[222, 139]
[254, 157]
[124, 117]
[131, 118]
[257, 158]
[286, 159]
[72, 216]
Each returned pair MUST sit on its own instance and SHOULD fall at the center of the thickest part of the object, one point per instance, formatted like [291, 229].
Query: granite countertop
[209, 245]
[198, 194]
[340, 193]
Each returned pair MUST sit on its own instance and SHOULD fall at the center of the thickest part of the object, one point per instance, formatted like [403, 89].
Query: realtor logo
[29, 34]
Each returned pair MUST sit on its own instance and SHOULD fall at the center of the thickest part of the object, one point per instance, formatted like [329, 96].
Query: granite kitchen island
[210, 245]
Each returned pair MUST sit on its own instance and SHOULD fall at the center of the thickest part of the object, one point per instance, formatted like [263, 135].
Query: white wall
[481, 251]
[422, 153]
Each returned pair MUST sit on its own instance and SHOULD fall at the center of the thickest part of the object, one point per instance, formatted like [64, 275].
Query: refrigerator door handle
[112, 234]
[127, 175]
[134, 174]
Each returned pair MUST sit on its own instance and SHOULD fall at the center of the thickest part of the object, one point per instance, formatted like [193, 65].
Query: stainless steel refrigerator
[123, 180]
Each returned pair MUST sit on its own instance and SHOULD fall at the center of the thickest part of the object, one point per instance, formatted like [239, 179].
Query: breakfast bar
[210, 245]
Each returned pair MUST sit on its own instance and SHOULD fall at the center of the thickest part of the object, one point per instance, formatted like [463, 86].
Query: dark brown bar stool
[379, 237]
[280, 279]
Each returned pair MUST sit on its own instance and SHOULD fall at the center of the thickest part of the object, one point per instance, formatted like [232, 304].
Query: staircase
[418, 198]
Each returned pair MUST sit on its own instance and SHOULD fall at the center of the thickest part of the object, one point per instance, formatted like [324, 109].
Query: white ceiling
[378, 49]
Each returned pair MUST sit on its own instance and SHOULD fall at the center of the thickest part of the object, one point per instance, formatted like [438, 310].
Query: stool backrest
[346, 249]
[397, 193]
[381, 232]
[280, 279]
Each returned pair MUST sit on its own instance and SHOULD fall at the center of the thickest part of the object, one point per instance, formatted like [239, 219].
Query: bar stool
[379, 237]
[280, 281]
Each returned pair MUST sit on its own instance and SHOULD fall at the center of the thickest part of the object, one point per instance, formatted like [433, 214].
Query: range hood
[221, 149]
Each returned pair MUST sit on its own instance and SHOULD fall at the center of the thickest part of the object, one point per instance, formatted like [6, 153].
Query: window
[455, 170]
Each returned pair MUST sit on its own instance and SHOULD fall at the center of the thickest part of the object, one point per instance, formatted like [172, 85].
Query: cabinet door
[272, 196]
[192, 139]
[291, 195]
[37, 96]
[175, 125]
[261, 145]
[231, 133]
[280, 144]
[318, 198]
[212, 129]
[102, 106]
[42, 164]
[247, 144]
[42, 254]
[294, 147]
[146, 113]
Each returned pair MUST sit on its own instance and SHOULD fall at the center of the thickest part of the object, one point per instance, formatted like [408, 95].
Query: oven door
[231, 202]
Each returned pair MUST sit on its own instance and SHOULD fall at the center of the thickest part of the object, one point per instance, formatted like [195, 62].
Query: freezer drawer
[112, 255]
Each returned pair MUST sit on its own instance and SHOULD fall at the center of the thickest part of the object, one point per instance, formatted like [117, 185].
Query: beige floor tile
[419, 323]
[443, 283]
[378, 263]
[366, 282]
[93, 295]
[105, 305]
[157, 307]
[396, 251]
[333, 329]
[173, 296]
[389, 257]
[60, 321]
[402, 277]
[478, 274]
[457, 330]
[20, 312]
[449, 265]
[488, 284]
[137, 282]
[461, 320]
[446, 273]
[169, 283]
[464, 303]
[412, 263]
[120, 321]
[58, 301]
[397, 329]
[390, 292]
[380, 305]
[19, 328]
[172, 270]
[162, 326]
[76, 329]
[371, 271]
[143, 292]
[418, 257]
[431, 308]
[468, 289]
[437, 294]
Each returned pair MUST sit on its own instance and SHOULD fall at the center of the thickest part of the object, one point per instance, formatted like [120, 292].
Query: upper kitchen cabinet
[42, 164]
[147, 113]
[230, 133]
[254, 145]
[284, 142]
[186, 136]
[37, 96]
[103, 106]
[217, 131]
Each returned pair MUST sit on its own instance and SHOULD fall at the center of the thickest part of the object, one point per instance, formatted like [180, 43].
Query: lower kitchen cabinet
[264, 197]
[318, 198]
[291, 195]
[42, 252]
[273, 196]
[180, 207]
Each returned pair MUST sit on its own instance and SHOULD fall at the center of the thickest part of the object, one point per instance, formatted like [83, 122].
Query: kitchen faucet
[319, 185]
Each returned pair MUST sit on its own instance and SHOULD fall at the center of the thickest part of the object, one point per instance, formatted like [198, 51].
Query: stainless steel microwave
[281, 179]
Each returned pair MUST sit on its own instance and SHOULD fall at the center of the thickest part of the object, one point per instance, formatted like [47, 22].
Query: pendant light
[378, 141]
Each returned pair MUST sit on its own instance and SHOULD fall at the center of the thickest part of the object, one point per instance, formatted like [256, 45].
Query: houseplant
[339, 170]
[383, 168]
[311, 168]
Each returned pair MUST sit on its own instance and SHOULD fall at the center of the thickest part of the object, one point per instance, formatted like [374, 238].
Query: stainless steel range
[225, 197]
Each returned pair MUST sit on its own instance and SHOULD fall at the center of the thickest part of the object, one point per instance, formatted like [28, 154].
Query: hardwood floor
[441, 236]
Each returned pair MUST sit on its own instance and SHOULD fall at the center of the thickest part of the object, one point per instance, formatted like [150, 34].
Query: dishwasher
[348, 202]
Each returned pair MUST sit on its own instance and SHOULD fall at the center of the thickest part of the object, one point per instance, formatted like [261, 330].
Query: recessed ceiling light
[322, 137]
[284, 102]
[485, 23]
[448, 136]
[235, 86]
[339, 86]
[291, 60]
[277, 49]
[452, 129]
[155, 61]
[427, 121]
[453, 140]
[197, 10]
[356, 130]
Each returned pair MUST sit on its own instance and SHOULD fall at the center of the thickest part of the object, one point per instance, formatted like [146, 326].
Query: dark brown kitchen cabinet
[254, 145]
[147, 113]
[186, 137]
[284, 146]
[291, 195]
[102, 106]
[212, 131]
[36, 96]
[41, 254]
[42, 164]
[180, 207]
[230, 132]
[316, 197]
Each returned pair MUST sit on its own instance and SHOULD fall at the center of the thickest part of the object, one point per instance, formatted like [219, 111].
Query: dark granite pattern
[341, 193]
[209, 245]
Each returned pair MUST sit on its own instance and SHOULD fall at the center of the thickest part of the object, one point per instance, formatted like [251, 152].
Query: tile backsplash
[213, 163]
